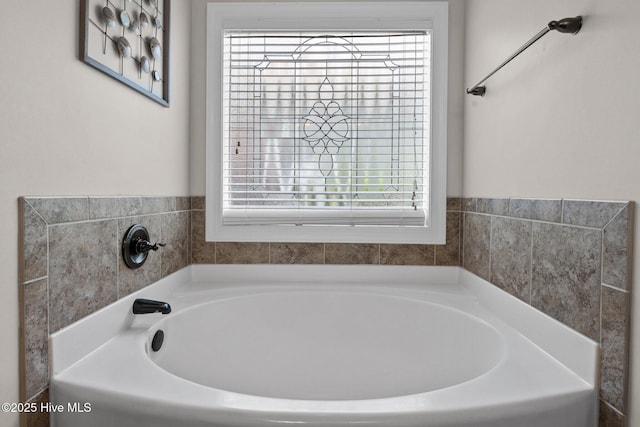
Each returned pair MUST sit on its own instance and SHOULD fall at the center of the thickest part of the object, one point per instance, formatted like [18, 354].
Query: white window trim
[351, 15]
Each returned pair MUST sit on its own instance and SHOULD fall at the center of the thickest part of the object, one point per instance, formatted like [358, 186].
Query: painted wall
[68, 129]
[561, 121]
[456, 99]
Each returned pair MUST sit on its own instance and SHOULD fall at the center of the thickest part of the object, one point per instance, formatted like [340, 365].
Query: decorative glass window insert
[326, 124]
[326, 134]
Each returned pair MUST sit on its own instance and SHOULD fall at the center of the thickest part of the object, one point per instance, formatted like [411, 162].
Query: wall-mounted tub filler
[325, 346]
[136, 246]
[146, 306]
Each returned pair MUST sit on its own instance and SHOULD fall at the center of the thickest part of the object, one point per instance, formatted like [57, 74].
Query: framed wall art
[129, 41]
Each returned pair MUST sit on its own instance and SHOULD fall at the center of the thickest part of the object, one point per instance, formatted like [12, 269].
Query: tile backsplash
[325, 253]
[71, 266]
[570, 259]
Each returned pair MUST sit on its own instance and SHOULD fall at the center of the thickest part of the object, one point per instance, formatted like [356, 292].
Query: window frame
[327, 16]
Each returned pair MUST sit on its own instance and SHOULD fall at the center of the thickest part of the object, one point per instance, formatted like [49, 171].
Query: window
[326, 122]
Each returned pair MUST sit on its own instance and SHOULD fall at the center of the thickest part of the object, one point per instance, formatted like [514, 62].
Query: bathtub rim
[575, 351]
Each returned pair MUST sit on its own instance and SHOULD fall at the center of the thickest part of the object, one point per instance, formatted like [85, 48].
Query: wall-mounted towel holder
[566, 25]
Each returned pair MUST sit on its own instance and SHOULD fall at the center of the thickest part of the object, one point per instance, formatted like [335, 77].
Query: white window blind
[326, 128]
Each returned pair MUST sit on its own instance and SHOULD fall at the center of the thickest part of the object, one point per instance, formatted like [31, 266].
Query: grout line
[490, 245]
[115, 218]
[460, 236]
[38, 393]
[37, 279]
[601, 293]
[118, 234]
[531, 268]
[162, 239]
[613, 408]
[463, 239]
[615, 216]
[35, 210]
[600, 317]
[48, 294]
[435, 248]
[615, 288]
[541, 221]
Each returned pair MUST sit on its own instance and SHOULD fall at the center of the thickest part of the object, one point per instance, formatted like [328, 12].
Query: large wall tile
[57, 210]
[609, 417]
[82, 270]
[352, 253]
[615, 332]
[40, 418]
[114, 207]
[400, 254]
[296, 253]
[469, 204]
[34, 242]
[154, 205]
[511, 256]
[202, 252]
[449, 253]
[242, 253]
[454, 204]
[176, 234]
[538, 209]
[36, 334]
[617, 247]
[566, 275]
[197, 203]
[183, 203]
[589, 213]
[493, 206]
[477, 239]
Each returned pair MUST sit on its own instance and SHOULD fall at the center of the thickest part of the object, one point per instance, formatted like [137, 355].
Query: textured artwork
[128, 40]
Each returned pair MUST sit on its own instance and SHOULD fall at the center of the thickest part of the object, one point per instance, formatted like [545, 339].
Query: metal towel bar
[566, 25]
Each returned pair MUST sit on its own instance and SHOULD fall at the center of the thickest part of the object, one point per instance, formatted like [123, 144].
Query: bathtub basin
[324, 346]
[327, 344]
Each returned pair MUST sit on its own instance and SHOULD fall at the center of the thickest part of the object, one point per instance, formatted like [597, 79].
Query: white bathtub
[324, 346]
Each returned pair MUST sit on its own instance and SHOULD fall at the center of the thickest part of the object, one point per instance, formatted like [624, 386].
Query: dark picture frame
[129, 42]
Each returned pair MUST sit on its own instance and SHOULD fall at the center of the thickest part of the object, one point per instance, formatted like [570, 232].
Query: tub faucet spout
[145, 306]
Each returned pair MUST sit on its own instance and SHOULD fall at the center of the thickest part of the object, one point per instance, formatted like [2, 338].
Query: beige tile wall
[569, 259]
[325, 253]
[70, 251]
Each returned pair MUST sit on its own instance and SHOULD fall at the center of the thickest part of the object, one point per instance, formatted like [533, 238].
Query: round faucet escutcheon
[136, 246]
